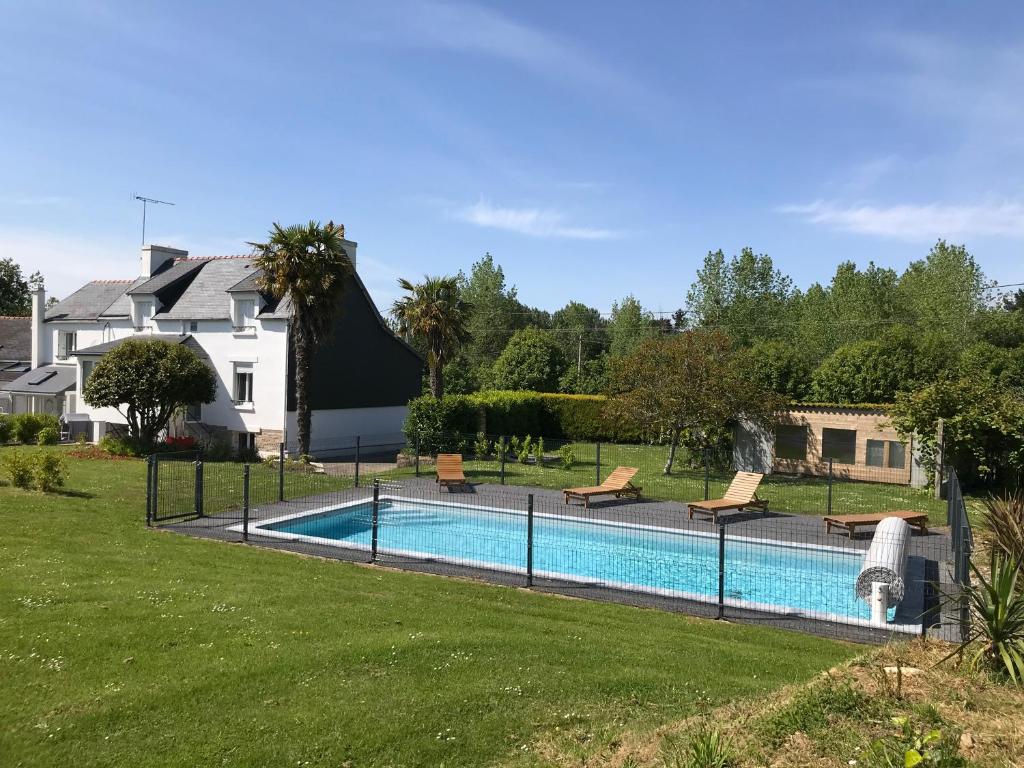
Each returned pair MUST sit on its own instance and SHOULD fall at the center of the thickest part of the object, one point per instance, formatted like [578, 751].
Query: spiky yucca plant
[1004, 516]
[996, 631]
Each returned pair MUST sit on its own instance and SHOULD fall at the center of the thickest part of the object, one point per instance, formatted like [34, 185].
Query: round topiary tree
[146, 381]
[531, 360]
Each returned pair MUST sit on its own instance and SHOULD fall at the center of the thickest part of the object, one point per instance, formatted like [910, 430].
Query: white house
[363, 375]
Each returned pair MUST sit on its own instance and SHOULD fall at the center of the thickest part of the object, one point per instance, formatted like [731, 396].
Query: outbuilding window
[791, 442]
[840, 445]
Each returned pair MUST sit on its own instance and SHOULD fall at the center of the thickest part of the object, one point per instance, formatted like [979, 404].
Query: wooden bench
[851, 522]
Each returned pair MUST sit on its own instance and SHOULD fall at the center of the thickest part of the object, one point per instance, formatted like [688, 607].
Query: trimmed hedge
[568, 417]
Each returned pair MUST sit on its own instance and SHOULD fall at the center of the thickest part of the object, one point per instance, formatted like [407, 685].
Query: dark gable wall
[361, 364]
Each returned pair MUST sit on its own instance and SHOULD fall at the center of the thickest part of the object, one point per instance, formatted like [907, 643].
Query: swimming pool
[779, 577]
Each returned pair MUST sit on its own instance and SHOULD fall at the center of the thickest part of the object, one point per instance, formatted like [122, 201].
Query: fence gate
[172, 480]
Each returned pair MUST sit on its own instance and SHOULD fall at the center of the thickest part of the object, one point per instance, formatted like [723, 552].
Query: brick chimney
[155, 256]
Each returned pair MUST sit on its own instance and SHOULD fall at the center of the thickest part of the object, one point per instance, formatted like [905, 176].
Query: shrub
[48, 436]
[19, 469]
[538, 451]
[27, 426]
[567, 456]
[6, 428]
[708, 749]
[121, 446]
[481, 446]
[525, 450]
[49, 472]
[914, 746]
[572, 417]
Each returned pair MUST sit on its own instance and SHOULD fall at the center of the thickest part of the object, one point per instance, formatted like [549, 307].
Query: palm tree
[308, 264]
[435, 314]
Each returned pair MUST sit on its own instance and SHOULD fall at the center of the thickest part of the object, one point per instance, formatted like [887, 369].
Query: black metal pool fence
[511, 524]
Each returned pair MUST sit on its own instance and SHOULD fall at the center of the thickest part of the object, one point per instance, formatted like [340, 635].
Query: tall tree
[308, 264]
[628, 326]
[14, 295]
[435, 313]
[146, 381]
[691, 385]
[496, 311]
[746, 296]
[580, 332]
[943, 291]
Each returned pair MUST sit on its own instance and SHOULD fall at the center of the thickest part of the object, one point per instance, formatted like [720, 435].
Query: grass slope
[121, 646]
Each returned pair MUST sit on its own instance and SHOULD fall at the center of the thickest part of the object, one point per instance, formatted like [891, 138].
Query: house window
[87, 366]
[791, 442]
[246, 442]
[840, 445]
[243, 383]
[67, 342]
[245, 313]
[875, 456]
[144, 314]
[189, 326]
[194, 412]
[897, 455]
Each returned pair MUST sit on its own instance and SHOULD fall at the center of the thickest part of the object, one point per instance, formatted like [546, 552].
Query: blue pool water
[780, 577]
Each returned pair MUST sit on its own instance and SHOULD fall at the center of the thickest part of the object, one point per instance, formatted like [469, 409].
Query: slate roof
[15, 338]
[206, 297]
[45, 380]
[179, 270]
[90, 301]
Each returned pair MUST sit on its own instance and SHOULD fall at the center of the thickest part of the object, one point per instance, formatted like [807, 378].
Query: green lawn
[805, 496]
[122, 646]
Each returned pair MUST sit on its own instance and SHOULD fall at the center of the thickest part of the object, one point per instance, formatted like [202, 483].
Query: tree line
[935, 341]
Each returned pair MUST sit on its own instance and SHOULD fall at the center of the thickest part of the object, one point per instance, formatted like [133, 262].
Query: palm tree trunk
[436, 378]
[303, 363]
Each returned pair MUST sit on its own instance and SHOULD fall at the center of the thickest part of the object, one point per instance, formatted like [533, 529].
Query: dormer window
[243, 314]
[143, 311]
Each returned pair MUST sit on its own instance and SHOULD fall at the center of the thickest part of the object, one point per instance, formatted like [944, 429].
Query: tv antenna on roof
[146, 201]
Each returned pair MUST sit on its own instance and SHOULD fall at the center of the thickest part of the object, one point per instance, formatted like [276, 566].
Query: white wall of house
[336, 428]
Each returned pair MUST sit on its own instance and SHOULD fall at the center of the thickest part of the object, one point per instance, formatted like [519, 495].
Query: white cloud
[916, 222]
[535, 222]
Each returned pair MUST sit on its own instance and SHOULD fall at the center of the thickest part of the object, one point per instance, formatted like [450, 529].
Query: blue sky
[595, 149]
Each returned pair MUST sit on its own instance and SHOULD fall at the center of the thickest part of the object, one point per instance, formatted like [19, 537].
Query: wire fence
[793, 559]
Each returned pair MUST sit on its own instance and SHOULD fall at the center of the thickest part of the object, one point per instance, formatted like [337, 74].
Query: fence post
[529, 540]
[504, 450]
[829, 504]
[416, 448]
[280, 472]
[374, 521]
[597, 463]
[721, 571]
[150, 489]
[707, 475]
[156, 488]
[199, 487]
[245, 503]
[357, 461]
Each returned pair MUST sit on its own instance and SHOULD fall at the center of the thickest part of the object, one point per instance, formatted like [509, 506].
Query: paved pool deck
[928, 563]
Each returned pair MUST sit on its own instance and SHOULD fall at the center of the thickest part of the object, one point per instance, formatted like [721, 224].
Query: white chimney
[350, 248]
[155, 256]
[40, 347]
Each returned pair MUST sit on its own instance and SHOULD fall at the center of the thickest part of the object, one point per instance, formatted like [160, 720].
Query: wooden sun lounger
[449, 470]
[617, 484]
[851, 522]
[741, 495]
